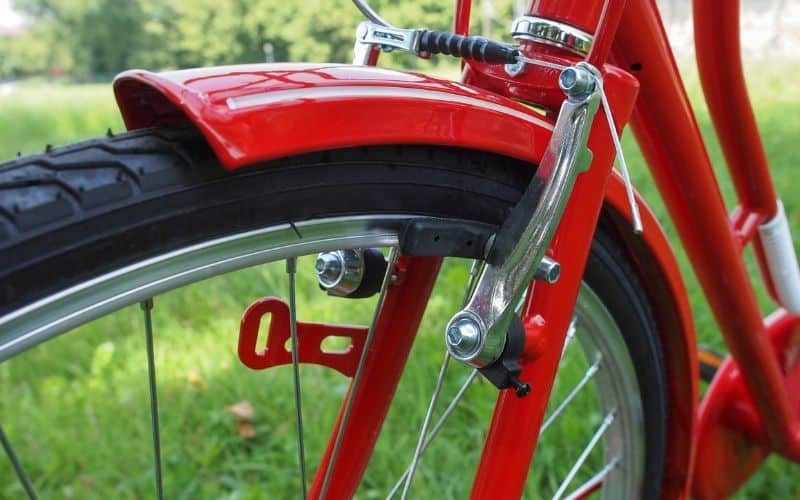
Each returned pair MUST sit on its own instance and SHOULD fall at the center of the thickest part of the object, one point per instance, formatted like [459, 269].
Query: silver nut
[329, 269]
[340, 271]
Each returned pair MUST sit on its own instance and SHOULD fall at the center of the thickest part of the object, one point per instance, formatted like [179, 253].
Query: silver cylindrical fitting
[340, 272]
[548, 271]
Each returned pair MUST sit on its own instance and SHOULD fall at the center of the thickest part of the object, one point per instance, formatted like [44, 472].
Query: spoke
[570, 336]
[409, 474]
[585, 454]
[291, 268]
[12, 457]
[474, 272]
[357, 377]
[437, 427]
[423, 431]
[595, 482]
[590, 373]
[147, 308]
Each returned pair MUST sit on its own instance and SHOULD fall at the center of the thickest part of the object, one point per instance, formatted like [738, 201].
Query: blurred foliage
[98, 38]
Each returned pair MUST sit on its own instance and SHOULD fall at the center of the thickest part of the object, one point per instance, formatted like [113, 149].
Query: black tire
[83, 210]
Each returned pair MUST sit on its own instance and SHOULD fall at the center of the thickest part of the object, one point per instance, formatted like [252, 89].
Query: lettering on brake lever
[371, 34]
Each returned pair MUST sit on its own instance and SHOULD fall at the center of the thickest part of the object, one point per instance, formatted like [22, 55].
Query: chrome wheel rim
[618, 393]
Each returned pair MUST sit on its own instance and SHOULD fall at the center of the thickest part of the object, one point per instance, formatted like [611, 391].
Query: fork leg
[395, 329]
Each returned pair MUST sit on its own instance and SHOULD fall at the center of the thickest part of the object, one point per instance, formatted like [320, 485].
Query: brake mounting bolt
[463, 337]
[577, 81]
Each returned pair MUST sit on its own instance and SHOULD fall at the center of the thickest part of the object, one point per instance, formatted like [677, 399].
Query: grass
[77, 408]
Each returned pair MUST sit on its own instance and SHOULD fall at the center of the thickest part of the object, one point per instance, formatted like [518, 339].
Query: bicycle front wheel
[150, 218]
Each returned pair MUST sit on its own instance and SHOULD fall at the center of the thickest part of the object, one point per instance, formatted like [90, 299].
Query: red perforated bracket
[309, 340]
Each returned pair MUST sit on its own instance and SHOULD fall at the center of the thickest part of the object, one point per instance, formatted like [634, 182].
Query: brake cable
[424, 42]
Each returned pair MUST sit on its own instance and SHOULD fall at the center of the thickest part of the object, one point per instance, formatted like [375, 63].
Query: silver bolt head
[577, 81]
[463, 337]
[329, 268]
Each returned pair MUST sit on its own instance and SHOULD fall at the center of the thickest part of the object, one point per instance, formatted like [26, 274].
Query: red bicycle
[380, 175]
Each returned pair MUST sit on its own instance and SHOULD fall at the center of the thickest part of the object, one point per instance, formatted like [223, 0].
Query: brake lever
[425, 42]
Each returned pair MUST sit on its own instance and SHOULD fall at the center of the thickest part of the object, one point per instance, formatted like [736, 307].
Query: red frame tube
[670, 139]
[507, 453]
[461, 19]
[392, 340]
[717, 43]
[671, 142]
[717, 39]
[605, 32]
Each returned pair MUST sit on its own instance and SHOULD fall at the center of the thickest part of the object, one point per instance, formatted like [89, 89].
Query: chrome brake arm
[477, 333]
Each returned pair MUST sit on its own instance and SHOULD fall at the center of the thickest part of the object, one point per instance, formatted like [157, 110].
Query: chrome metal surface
[584, 454]
[70, 308]
[464, 336]
[499, 287]
[547, 31]
[147, 310]
[387, 278]
[617, 391]
[340, 272]
[291, 270]
[329, 268]
[590, 373]
[548, 271]
[577, 82]
[369, 34]
[516, 68]
[582, 490]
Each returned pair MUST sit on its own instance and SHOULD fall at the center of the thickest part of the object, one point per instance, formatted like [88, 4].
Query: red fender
[314, 107]
[252, 113]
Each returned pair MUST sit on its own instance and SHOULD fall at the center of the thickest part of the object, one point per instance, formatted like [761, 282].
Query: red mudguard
[253, 113]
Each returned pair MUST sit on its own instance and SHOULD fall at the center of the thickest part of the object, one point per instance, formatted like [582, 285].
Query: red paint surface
[722, 76]
[461, 18]
[670, 140]
[396, 327]
[200, 95]
[718, 47]
[731, 433]
[309, 345]
[508, 451]
[326, 107]
[761, 412]
[605, 32]
[583, 14]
